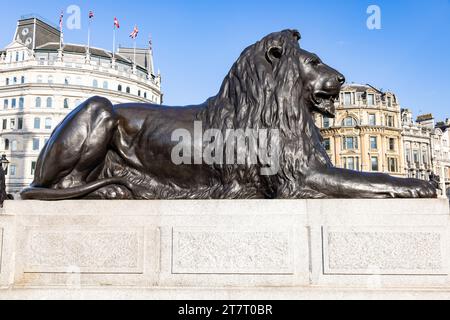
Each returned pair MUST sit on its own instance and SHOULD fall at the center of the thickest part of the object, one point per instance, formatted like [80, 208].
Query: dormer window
[371, 99]
[347, 99]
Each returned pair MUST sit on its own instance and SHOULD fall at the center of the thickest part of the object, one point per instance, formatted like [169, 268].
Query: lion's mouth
[325, 103]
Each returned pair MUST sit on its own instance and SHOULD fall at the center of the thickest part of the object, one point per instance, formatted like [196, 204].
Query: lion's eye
[314, 61]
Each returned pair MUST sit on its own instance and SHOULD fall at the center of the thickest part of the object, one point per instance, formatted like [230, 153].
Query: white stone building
[416, 137]
[40, 84]
[441, 151]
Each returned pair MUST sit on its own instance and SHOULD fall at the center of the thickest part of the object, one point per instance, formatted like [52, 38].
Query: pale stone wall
[193, 246]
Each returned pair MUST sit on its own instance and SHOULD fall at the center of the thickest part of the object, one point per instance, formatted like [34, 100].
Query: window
[327, 144]
[6, 144]
[37, 123]
[49, 102]
[22, 80]
[14, 103]
[408, 155]
[14, 145]
[66, 103]
[350, 143]
[17, 56]
[38, 102]
[326, 122]
[48, 123]
[390, 121]
[373, 143]
[371, 99]
[39, 79]
[36, 144]
[15, 80]
[389, 102]
[7, 81]
[372, 120]
[145, 95]
[119, 88]
[128, 90]
[19, 123]
[12, 124]
[5, 104]
[424, 156]
[347, 99]
[392, 164]
[139, 93]
[105, 85]
[50, 79]
[33, 168]
[349, 122]
[5, 124]
[95, 83]
[374, 163]
[391, 144]
[12, 170]
[351, 163]
[416, 157]
[21, 103]
[67, 81]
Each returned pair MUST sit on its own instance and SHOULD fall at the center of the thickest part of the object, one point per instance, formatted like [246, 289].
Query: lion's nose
[341, 79]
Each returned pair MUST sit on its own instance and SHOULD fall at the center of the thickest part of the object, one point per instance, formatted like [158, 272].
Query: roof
[425, 117]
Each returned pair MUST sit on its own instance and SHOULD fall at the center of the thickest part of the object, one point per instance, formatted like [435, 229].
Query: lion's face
[320, 83]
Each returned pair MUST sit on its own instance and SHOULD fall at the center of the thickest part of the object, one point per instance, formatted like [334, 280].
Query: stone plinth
[238, 249]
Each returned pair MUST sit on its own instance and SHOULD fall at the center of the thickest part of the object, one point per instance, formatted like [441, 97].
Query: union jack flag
[116, 23]
[135, 33]
[61, 19]
[91, 14]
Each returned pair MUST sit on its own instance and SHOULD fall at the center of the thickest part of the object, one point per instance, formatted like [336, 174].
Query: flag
[91, 14]
[135, 33]
[61, 19]
[150, 43]
[116, 23]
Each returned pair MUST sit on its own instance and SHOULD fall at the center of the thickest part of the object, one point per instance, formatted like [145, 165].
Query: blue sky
[197, 41]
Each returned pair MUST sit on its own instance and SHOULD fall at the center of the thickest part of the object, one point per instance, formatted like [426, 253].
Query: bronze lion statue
[105, 151]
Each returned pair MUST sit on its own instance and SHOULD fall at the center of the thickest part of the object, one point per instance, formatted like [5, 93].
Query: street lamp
[4, 163]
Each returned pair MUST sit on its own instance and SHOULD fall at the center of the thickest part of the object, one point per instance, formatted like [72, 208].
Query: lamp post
[4, 163]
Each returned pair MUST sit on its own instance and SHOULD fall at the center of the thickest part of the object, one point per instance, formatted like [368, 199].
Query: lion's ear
[274, 54]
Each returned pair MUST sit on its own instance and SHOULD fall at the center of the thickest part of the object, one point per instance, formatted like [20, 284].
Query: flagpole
[89, 36]
[114, 42]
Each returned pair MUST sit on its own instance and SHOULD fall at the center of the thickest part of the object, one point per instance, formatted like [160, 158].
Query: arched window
[349, 122]
[66, 103]
[21, 103]
[95, 83]
[119, 88]
[15, 80]
[23, 56]
[128, 90]
[67, 81]
[17, 56]
[38, 102]
[6, 144]
[105, 85]
[5, 104]
[22, 80]
[48, 123]
[139, 93]
[49, 102]
[7, 81]
[145, 95]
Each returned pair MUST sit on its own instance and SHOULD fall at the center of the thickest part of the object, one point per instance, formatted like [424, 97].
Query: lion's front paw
[419, 189]
[115, 193]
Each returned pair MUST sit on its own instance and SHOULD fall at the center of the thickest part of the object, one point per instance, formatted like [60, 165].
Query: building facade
[417, 144]
[441, 151]
[41, 82]
[366, 134]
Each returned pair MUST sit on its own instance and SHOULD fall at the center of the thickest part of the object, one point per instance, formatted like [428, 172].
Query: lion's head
[275, 83]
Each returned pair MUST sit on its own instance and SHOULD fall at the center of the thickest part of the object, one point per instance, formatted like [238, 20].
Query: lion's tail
[35, 193]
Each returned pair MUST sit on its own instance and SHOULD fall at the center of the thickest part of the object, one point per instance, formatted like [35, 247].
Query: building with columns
[41, 82]
[441, 151]
[366, 134]
[417, 143]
